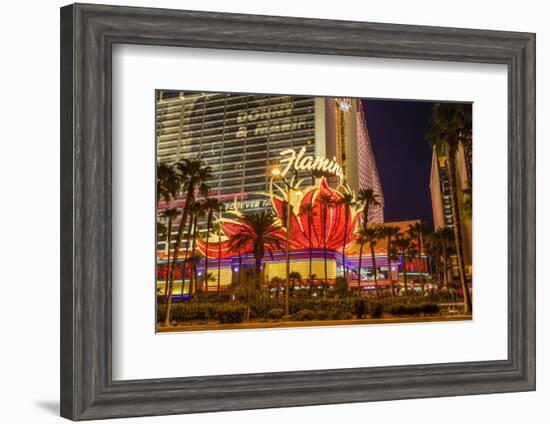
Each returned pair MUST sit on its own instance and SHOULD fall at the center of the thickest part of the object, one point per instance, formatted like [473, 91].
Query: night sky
[398, 134]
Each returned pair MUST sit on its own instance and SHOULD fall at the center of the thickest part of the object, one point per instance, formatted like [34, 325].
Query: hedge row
[225, 313]
[319, 309]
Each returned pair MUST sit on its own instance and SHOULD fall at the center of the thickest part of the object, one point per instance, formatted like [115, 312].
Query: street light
[276, 172]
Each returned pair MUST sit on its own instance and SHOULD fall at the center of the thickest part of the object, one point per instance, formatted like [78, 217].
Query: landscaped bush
[413, 310]
[304, 315]
[321, 315]
[360, 307]
[429, 308]
[344, 315]
[161, 313]
[261, 309]
[275, 314]
[231, 314]
[398, 309]
[377, 310]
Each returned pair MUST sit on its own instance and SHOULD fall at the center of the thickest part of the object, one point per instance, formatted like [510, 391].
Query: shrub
[344, 315]
[201, 313]
[161, 313]
[321, 315]
[231, 314]
[262, 308]
[398, 309]
[275, 314]
[412, 310]
[341, 286]
[429, 308]
[360, 307]
[304, 315]
[377, 310]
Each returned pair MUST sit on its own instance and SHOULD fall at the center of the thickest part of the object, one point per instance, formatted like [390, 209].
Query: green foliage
[426, 308]
[360, 307]
[275, 314]
[341, 286]
[295, 275]
[322, 315]
[301, 309]
[231, 314]
[377, 310]
[398, 309]
[161, 313]
[340, 315]
[429, 308]
[304, 315]
[193, 311]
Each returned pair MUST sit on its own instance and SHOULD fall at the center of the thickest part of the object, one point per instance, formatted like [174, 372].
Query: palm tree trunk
[176, 252]
[373, 259]
[360, 267]
[167, 277]
[344, 247]
[457, 227]
[219, 260]
[189, 230]
[310, 255]
[325, 247]
[240, 268]
[419, 241]
[208, 225]
[445, 270]
[405, 284]
[389, 267]
[193, 252]
[258, 268]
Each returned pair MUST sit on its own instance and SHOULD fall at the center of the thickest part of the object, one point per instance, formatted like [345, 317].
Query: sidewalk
[326, 323]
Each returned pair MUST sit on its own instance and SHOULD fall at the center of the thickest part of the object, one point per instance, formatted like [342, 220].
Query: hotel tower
[240, 137]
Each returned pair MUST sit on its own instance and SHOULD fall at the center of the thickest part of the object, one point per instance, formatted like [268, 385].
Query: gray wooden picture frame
[88, 33]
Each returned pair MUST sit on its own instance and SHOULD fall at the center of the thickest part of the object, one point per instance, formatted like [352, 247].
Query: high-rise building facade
[236, 135]
[241, 137]
[440, 190]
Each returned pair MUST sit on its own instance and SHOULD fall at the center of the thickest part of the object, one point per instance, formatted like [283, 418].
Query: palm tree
[433, 252]
[444, 237]
[372, 235]
[389, 232]
[294, 277]
[308, 210]
[236, 245]
[417, 231]
[403, 245]
[368, 198]
[467, 202]
[277, 282]
[217, 228]
[169, 215]
[193, 260]
[450, 128]
[326, 202]
[347, 201]
[168, 182]
[197, 212]
[194, 207]
[192, 176]
[210, 205]
[258, 230]
[361, 238]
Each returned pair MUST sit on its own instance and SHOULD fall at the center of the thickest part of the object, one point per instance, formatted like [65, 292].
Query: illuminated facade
[441, 199]
[240, 136]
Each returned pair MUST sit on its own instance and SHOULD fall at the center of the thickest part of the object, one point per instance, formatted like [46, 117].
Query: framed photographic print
[263, 212]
